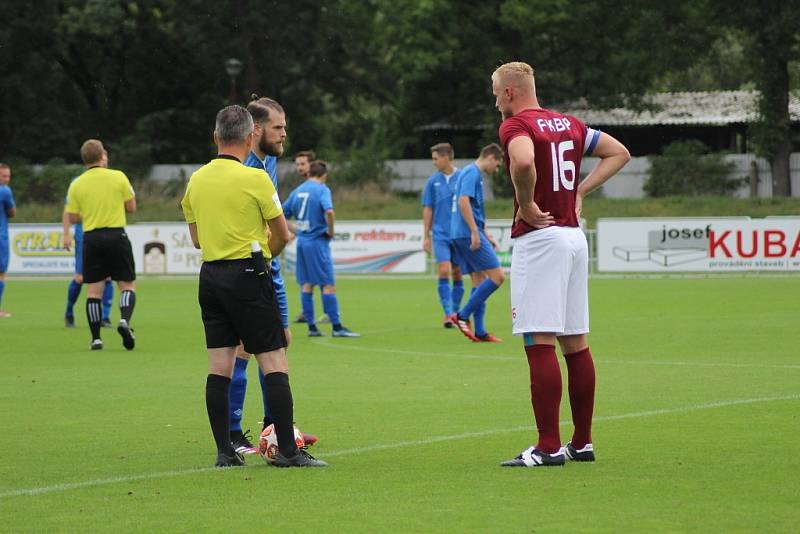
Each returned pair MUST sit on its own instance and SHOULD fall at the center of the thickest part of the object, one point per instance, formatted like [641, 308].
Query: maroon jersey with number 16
[559, 143]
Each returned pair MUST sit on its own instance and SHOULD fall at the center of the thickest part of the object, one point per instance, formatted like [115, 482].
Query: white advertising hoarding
[710, 244]
[166, 248]
[372, 247]
[157, 248]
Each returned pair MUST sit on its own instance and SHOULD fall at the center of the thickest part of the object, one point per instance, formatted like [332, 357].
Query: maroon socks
[581, 395]
[545, 395]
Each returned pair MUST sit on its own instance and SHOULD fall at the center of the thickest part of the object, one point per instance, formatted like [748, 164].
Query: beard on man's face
[270, 149]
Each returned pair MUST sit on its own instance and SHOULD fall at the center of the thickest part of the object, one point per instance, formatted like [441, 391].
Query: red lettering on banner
[778, 243]
[382, 235]
[713, 244]
[753, 249]
[796, 247]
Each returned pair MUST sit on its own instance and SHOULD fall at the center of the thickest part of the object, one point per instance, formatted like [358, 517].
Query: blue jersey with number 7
[307, 205]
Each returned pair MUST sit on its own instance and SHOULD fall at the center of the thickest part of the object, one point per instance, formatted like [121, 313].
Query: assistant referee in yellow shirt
[99, 198]
[234, 214]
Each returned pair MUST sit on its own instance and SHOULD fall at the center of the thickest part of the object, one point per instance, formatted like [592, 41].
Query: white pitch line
[704, 364]
[103, 482]
[388, 446]
[520, 357]
[599, 419]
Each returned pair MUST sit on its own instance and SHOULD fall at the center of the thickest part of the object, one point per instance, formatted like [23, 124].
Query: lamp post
[233, 67]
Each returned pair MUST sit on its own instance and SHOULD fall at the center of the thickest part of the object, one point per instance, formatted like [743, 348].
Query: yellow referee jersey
[99, 196]
[230, 204]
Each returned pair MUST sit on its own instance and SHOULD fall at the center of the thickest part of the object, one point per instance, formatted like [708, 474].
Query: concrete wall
[629, 183]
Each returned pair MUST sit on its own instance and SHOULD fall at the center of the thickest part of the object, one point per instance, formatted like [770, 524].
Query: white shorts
[549, 282]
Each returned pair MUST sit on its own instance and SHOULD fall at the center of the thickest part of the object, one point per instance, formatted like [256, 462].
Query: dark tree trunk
[781, 179]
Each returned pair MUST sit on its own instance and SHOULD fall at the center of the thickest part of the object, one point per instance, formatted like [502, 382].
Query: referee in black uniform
[228, 207]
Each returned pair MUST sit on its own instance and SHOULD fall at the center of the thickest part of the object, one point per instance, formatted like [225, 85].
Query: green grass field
[696, 417]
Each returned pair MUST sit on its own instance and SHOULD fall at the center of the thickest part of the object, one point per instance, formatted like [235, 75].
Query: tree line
[358, 77]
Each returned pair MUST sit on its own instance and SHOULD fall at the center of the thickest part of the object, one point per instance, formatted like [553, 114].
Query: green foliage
[721, 66]
[360, 165]
[47, 185]
[147, 79]
[686, 168]
[501, 184]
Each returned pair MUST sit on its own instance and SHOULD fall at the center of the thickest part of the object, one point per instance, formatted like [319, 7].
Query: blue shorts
[5, 253]
[280, 290]
[473, 261]
[79, 256]
[443, 250]
[314, 262]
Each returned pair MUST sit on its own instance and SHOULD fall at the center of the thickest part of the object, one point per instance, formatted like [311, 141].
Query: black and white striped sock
[127, 300]
[94, 314]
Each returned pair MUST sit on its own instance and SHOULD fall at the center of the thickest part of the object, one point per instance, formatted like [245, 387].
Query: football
[268, 442]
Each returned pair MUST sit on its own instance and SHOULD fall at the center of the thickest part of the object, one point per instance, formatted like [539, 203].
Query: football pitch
[696, 421]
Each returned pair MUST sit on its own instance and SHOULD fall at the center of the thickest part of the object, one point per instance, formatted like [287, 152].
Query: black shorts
[107, 253]
[236, 304]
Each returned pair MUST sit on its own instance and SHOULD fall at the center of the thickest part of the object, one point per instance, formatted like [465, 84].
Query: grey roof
[713, 108]
[698, 108]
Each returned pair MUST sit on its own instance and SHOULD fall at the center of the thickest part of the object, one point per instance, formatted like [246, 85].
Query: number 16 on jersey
[563, 169]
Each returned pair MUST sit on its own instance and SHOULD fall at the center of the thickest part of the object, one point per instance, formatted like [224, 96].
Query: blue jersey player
[8, 209]
[269, 132]
[437, 200]
[475, 249]
[75, 285]
[302, 162]
[312, 207]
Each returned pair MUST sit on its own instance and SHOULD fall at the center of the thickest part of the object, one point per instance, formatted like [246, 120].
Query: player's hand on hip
[535, 217]
[474, 240]
[426, 244]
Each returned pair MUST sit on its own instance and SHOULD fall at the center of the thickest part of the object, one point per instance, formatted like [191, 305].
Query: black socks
[279, 398]
[127, 300]
[218, 406]
[94, 314]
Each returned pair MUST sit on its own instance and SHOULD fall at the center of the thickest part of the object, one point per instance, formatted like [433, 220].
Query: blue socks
[237, 391]
[478, 318]
[307, 303]
[478, 297]
[108, 299]
[458, 294]
[446, 296]
[2, 288]
[73, 292]
[450, 299]
[331, 306]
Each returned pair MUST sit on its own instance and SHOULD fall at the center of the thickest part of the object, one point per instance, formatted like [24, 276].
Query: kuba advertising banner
[713, 244]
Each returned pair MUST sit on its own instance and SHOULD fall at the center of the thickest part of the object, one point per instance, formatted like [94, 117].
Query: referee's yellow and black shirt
[99, 196]
[230, 204]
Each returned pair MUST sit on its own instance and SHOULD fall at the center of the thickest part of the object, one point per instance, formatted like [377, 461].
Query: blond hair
[516, 74]
[91, 151]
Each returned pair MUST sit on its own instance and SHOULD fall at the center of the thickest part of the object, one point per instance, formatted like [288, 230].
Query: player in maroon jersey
[549, 263]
